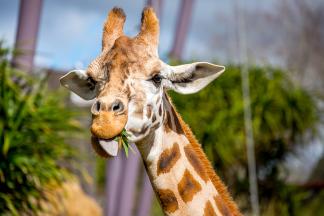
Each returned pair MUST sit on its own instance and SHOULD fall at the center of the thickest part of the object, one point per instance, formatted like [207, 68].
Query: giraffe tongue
[110, 146]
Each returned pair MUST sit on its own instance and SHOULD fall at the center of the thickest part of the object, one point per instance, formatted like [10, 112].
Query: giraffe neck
[180, 173]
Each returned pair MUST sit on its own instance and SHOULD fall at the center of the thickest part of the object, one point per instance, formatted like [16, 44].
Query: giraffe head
[128, 81]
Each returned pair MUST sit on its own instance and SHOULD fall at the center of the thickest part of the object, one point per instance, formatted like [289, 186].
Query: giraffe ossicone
[129, 83]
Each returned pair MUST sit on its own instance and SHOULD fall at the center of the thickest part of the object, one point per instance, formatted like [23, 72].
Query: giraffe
[129, 85]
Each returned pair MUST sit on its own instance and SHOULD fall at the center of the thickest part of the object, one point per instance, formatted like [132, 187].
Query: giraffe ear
[191, 78]
[80, 83]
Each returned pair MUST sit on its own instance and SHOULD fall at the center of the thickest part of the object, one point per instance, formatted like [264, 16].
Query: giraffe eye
[157, 79]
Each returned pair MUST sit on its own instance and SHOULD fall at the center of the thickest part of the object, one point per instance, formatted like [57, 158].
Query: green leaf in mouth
[123, 140]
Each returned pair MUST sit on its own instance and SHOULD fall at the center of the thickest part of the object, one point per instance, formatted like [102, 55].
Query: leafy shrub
[283, 114]
[33, 126]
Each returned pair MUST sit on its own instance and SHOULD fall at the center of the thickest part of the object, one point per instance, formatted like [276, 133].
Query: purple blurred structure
[146, 197]
[129, 181]
[113, 174]
[182, 28]
[26, 37]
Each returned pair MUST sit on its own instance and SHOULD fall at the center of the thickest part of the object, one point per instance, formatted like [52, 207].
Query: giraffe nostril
[117, 106]
[98, 105]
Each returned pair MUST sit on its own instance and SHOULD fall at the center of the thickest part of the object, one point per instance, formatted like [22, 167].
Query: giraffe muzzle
[106, 126]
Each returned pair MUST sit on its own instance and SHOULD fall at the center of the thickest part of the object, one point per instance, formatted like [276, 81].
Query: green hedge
[284, 115]
[33, 126]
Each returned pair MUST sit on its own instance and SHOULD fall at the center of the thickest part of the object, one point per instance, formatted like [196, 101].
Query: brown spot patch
[168, 158]
[167, 122]
[168, 200]
[178, 127]
[188, 187]
[171, 114]
[208, 210]
[160, 110]
[195, 162]
[153, 118]
[222, 206]
[149, 111]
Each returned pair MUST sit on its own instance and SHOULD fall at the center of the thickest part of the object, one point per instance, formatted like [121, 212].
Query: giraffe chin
[105, 147]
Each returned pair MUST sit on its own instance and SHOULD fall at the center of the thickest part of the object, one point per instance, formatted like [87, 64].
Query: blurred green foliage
[283, 116]
[33, 126]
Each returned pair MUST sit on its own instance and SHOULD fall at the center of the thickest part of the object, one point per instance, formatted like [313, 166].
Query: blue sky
[70, 31]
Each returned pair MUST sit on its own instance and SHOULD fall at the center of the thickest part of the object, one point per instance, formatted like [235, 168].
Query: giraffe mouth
[105, 147]
[110, 146]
